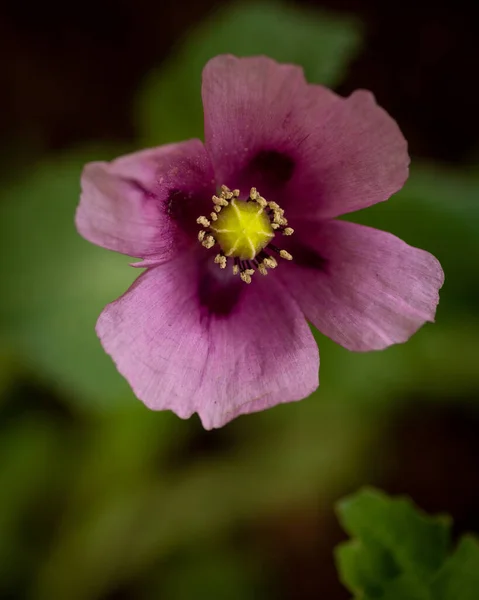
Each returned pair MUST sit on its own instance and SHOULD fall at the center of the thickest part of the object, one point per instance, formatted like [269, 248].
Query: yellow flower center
[242, 229]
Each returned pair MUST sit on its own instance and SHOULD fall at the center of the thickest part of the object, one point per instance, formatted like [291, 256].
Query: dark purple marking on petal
[175, 204]
[185, 209]
[305, 256]
[277, 167]
[269, 171]
[219, 292]
[303, 253]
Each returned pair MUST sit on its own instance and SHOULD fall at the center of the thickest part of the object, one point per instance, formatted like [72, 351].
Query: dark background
[70, 70]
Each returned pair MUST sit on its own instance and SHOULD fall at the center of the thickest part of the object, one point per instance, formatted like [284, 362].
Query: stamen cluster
[244, 229]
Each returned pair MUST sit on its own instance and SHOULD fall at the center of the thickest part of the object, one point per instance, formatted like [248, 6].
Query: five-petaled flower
[240, 244]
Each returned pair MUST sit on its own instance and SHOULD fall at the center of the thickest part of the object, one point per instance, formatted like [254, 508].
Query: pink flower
[191, 335]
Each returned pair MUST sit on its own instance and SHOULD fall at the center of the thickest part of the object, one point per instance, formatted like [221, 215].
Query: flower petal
[179, 355]
[145, 204]
[364, 288]
[311, 150]
[257, 114]
[355, 156]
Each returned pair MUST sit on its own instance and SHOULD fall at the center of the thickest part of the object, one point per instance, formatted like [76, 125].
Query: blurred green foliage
[399, 553]
[106, 494]
[55, 284]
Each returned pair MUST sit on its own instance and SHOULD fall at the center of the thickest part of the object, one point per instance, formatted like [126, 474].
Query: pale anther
[246, 275]
[270, 262]
[203, 221]
[209, 241]
[261, 201]
[201, 235]
[288, 231]
[226, 193]
[220, 260]
[286, 255]
[213, 216]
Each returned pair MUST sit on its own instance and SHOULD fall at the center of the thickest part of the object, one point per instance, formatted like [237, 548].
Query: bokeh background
[101, 499]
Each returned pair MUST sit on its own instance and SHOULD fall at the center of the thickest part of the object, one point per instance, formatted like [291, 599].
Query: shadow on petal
[185, 208]
[269, 171]
[219, 291]
[305, 255]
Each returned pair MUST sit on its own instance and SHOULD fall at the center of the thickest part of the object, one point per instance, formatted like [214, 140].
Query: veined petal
[354, 156]
[364, 288]
[257, 114]
[314, 152]
[177, 354]
[145, 204]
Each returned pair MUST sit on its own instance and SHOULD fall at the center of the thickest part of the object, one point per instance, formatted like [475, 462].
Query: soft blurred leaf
[400, 553]
[405, 588]
[365, 567]
[415, 542]
[54, 283]
[458, 579]
[169, 105]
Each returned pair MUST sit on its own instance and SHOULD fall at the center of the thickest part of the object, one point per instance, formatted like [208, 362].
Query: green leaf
[365, 566]
[400, 553]
[413, 542]
[406, 587]
[169, 105]
[55, 284]
[458, 579]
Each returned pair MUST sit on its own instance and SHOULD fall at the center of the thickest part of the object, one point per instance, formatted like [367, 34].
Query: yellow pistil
[242, 229]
